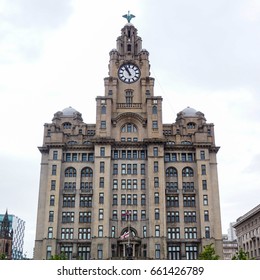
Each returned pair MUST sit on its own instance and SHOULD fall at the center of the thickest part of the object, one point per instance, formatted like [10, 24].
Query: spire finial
[128, 16]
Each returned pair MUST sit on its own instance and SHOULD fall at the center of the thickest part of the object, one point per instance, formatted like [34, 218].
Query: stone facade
[248, 232]
[128, 186]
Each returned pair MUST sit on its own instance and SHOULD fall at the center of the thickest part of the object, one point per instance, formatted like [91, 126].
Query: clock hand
[127, 70]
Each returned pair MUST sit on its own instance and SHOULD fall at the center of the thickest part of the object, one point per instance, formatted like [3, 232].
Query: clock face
[129, 73]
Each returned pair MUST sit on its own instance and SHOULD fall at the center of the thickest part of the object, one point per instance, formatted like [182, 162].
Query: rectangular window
[84, 233]
[157, 214]
[155, 167]
[189, 216]
[123, 169]
[135, 184]
[204, 184]
[142, 169]
[53, 185]
[206, 215]
[189, 201]
[115, 153]
[115, 169]
[101, 198]
[142, 184]
[173, 217]
[191, 252]
[67, 217]
[54, 170]
[144, 231]
[101, 214]
[100, 251]
[55, 155]
[156, 182]
[85, 201]
[74, 157]
[205, 200]
[113, 231]
[102, 151]
[207, 232]
[84, 156]
[134, 199]
[52, 200]
[155, 151]
[135, 169]
[50, 232]
[48, 252]
[202, 154]
[143, 214]
[68, 201]
[203, 169]
[134, 216]
[129, 199]
[115, 184]
[129, 168]
[143, 199]
[100, 231]
[114, 215]
[174, 252]
[67, 233]
[114, 199]
[172, 201]
[155, 124]
[123, 184]
[190, 233]
[51, 216]
[102, 167]
[157, 251]
[156, 198]
[129, 184]
[101, 182]
[85, 217]
[103, 124]
[123, 199]
[173, 233]
[157, 231]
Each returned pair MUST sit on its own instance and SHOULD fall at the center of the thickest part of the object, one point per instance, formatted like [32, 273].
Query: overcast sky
[203, 54]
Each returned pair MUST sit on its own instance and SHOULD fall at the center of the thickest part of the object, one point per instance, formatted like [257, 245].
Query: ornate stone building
[128, 186]
[248, 232]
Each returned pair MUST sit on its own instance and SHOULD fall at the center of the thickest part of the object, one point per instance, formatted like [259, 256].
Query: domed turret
[69, 111]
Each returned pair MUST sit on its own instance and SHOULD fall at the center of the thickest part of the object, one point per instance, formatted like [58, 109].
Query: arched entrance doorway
[129, 244]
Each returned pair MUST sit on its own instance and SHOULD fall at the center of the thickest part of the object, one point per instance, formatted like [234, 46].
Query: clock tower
[129, 122]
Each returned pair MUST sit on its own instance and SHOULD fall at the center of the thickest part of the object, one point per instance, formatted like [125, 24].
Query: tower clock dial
[129, 73]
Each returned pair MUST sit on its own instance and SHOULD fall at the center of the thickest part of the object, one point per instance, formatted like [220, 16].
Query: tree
[3, 256]
[61, 256]
[241, 255]
[208, 253]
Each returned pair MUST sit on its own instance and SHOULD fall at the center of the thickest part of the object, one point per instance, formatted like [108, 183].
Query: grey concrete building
[128, 186]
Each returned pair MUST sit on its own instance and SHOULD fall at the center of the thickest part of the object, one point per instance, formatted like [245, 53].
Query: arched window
[191, 125]
[103, 110]
[187, 172]
[67, 125]
[70, 172]
[129, 127]
[87, 172]
[171, 172]
[154, 110]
